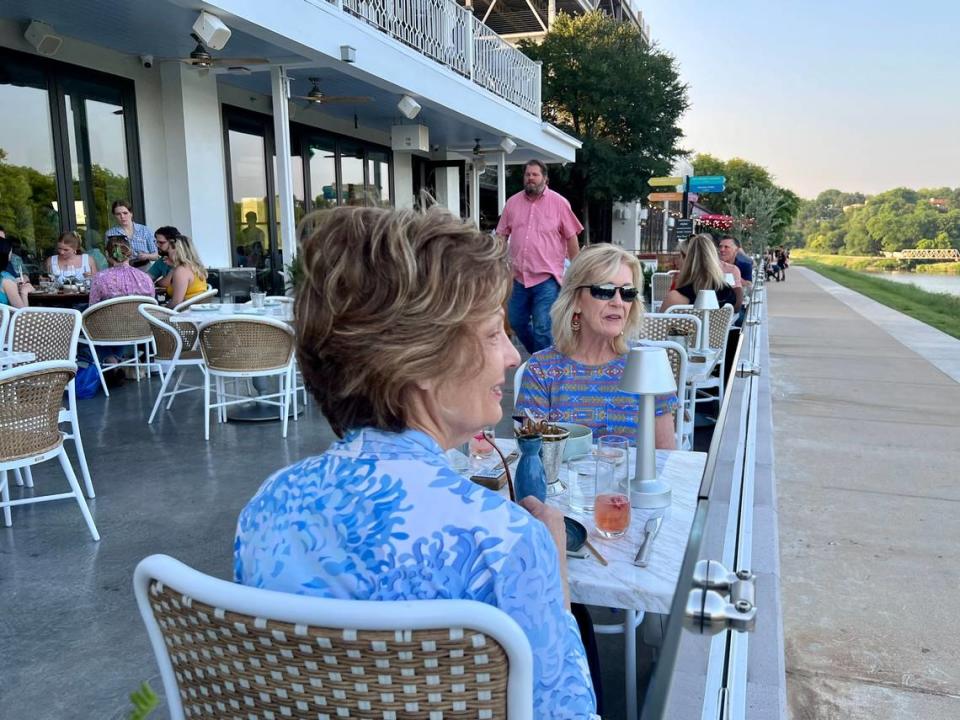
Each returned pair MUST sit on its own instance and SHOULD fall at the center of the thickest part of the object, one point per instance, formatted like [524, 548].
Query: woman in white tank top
[69, 262]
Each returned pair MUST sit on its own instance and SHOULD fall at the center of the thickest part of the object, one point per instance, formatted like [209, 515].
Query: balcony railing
[451, 35]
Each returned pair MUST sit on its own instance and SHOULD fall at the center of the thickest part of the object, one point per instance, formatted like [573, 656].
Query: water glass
[480, 447]
[258, 299]
[583, 472]
[615, 449]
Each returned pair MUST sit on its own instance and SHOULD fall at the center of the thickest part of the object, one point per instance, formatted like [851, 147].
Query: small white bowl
[579, 442]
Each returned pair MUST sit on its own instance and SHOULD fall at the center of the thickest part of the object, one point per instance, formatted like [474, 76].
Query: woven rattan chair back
[30, 412]
[117, 320]
[246, 345]
[50, 334]
[660, 326]
[229, 663]
[660, 286]
[165, 335]
[4, 322]
[719, 325]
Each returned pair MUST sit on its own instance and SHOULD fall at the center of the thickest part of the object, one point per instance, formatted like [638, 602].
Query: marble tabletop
[621, 584]
[9, 357]
[281, 311]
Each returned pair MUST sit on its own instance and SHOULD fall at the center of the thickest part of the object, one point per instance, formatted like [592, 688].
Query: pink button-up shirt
[538, 228]
[120, 280]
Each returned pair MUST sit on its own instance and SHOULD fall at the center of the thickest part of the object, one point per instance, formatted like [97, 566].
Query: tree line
[847, 223]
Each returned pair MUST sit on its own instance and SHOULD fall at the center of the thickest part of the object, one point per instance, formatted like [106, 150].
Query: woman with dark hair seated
[400, 337]
[14, 290]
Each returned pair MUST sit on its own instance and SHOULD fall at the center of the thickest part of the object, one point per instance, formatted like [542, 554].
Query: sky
[848, 94]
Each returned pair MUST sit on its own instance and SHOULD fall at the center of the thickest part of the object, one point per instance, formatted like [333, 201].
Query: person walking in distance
[543, 231]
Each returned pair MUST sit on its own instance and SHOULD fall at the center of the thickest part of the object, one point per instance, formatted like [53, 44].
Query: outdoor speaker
[409, 107]
[42, 37]
[211, 30]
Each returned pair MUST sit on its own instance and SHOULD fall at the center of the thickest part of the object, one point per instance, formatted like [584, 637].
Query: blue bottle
[531, 479]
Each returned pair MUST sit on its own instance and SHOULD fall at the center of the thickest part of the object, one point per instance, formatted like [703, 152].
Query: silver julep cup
[551, 454]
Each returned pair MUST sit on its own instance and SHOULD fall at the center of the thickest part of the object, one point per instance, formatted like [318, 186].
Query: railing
[450, 34]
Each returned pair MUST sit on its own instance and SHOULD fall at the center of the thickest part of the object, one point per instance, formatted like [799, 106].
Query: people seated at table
[13, 290]
[140, 238]
[14, 266]
[700, 271]
[188, 277]
[119, 279]
[160, 268]
[70, 264]
[400, 336]
[598, 311]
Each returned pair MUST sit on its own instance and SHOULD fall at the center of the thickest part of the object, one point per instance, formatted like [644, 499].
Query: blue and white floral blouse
[382, 516]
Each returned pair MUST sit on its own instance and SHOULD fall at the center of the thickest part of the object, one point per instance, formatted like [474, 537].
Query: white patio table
[621, 584]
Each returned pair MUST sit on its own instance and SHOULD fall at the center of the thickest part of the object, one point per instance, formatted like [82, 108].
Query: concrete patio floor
[72, 644]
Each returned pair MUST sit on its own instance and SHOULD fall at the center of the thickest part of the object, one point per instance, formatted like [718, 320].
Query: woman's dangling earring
[575, 322]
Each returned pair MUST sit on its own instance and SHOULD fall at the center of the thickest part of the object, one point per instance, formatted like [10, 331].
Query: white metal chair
[659, 287]
[518, 381]
[229, 650]
[117, 323]
[176, 351]
[677, 355]
[202, 297]
[30, 397]
[52, 334]
[660, 326]
[4, 321]
[246, 347]
[720, 323]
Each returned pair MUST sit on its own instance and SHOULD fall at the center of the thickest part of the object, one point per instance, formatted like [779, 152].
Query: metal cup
[552, 457]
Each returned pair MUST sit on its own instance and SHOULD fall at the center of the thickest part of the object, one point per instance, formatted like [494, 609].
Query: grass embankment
[872, 263]
[938, 310]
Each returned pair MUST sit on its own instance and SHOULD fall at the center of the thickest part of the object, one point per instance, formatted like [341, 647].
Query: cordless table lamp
[648, 374]
[706, 301]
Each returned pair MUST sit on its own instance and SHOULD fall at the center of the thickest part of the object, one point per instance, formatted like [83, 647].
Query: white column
[474, 195]
[501, 182]
[447, 181]
[284, 179]
[403, 180]
[196, 170]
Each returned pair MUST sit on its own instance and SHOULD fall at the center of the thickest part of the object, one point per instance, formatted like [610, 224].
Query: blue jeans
[529, 313]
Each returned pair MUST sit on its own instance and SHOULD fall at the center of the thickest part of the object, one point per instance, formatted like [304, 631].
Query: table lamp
[706, 301]
[647, 374]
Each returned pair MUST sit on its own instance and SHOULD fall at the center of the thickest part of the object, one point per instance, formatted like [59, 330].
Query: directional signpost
[702, 184]
[665, 197]
[664, 181]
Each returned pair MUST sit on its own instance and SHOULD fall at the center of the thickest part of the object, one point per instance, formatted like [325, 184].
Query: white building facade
[235, 154]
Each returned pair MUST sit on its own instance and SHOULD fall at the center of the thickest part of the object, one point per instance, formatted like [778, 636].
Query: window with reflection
[248, 182]
[68, 149]
[378, 178]
[322, 156]
[352, 188]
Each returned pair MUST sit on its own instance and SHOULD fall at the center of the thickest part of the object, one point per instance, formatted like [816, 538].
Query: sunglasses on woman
[608, 290]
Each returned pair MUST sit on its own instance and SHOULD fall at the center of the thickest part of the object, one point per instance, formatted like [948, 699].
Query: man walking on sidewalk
[543, 231]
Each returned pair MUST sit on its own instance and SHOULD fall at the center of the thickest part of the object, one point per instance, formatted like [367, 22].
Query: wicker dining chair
[246, 347]
[660, 284]
[227, 650]
[201, 297]
[117, 323]
[660, 326]
[175, 344]
[677, 355]
[52, 334]
[30, 434]
[4, 322]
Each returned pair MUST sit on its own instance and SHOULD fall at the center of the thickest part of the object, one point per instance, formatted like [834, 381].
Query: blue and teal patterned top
[382, 516]
[569, 391]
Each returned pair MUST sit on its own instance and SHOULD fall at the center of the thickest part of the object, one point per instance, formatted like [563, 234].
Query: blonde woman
[599, 310]
[701, 270]
[70, 262]
[188, 277]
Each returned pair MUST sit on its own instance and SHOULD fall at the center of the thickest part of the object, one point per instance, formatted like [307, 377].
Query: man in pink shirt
[543, 232]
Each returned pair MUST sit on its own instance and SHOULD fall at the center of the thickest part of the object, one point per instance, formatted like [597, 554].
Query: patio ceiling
[162, 29]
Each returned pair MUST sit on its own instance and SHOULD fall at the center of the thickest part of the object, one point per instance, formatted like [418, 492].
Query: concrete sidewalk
[867, 438]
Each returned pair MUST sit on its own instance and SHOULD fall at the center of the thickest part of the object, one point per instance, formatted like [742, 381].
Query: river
[931, 283]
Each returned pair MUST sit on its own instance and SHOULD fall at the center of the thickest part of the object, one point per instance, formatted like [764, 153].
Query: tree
[604, 84]
[755, 216]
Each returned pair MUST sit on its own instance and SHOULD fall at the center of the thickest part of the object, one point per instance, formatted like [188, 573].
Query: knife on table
[650, 531]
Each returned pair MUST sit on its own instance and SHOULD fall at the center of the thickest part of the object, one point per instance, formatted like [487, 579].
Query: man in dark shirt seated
[730, 252]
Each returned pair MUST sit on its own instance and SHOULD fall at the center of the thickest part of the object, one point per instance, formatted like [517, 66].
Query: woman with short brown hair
[400, 338]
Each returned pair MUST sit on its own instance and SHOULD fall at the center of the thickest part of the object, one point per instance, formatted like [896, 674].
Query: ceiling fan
[317, 97]
[201, 59]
